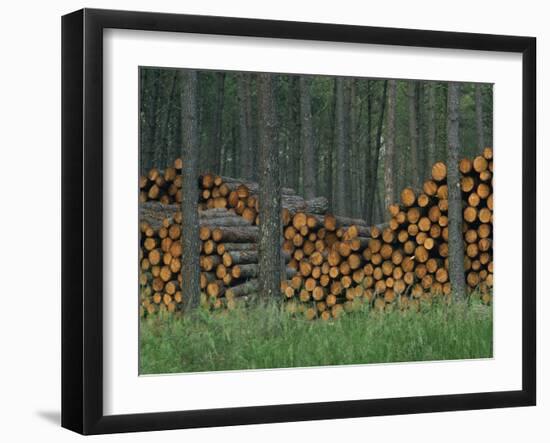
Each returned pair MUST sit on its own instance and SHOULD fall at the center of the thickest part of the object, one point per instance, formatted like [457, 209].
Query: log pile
[228, 258]
[477, 193]
[401, 264]
[220, 192]
[326, 253]
[334, 264]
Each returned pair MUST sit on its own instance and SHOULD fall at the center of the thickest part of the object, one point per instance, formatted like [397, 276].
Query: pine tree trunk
[479, 119]
[216, 140]
[375, 162]
[423, 165]
[354, 186]
[413, 133]
[346, 164]
[456, 247]
[245, 159]
[143, 153]
[294, 135]
[368, 158]
[431, 125]
[252, 125]
[164, 159]
[269, 252]
[340, 169]
[389, 173]
[152, 117]
[190, 270]
[330, 153]
[308, 153]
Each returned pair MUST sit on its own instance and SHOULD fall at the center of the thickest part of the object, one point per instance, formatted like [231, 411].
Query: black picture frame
[82, 216]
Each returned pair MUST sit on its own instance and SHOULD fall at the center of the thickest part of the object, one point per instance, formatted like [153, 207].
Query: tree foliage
[341, 120]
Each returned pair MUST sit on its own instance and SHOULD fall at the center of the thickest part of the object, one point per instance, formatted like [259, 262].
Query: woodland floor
[266, 337]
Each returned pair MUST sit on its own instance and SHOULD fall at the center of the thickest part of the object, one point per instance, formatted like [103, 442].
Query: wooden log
[247, 288]
[245, 271]
[439, 171]
[209, 262]
[229, 221]
[408, 197]
[465, 166]
[236, 234]
[208, 247]
[467, 183]
[480, 163]
[295, 203]
[204, 233]
[430, 188]
[253, 188]
[483, 190]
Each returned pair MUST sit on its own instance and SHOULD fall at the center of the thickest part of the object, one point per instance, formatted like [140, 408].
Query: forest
[269, 199]
[355, 141]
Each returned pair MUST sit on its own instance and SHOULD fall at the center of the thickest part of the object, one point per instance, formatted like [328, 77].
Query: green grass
[267, 337]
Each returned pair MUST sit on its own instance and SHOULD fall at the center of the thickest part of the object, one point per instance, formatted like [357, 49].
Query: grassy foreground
[267, 337]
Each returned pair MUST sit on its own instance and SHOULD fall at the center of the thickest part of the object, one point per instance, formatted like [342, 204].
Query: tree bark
[431, 125]
[143, 152]
[354, 186]
[368, 159]
[190, 270]
[456, 247]
[341, 199]
[245, 157]
[413, 133]
[479, 118]
[375, 161]
[330, 150]
[152, 112]
[294, 154]
[269, 252]
[216, 139]
[164, 133]
[389, 158]
[309, 173]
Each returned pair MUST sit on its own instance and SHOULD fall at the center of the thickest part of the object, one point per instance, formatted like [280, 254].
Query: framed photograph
[269, 221]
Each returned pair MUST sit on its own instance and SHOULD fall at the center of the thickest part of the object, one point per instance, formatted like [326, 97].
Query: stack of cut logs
[334, 263]
[228, 215]
[477, 193]
[417, 237]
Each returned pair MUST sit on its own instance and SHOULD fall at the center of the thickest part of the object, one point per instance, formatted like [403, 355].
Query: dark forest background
[338, 137]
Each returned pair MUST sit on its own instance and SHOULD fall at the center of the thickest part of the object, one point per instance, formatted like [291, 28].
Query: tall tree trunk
[456, 247]
[346, 165]
[330, 153]
[353, 184]
[421, 147]
[245, 157]
[341, 170]
[190, 177]
[389, 158]
[368, 157]
[143, 88]
[431, 124]
[308, 152]
[165, 159]
[269, 255]
[375, 162]
[479, 119]
[413, 133]
[294, 153]
[252, 128]
[233, 152]
[155, 80]
[216, 138]
[442, 117]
